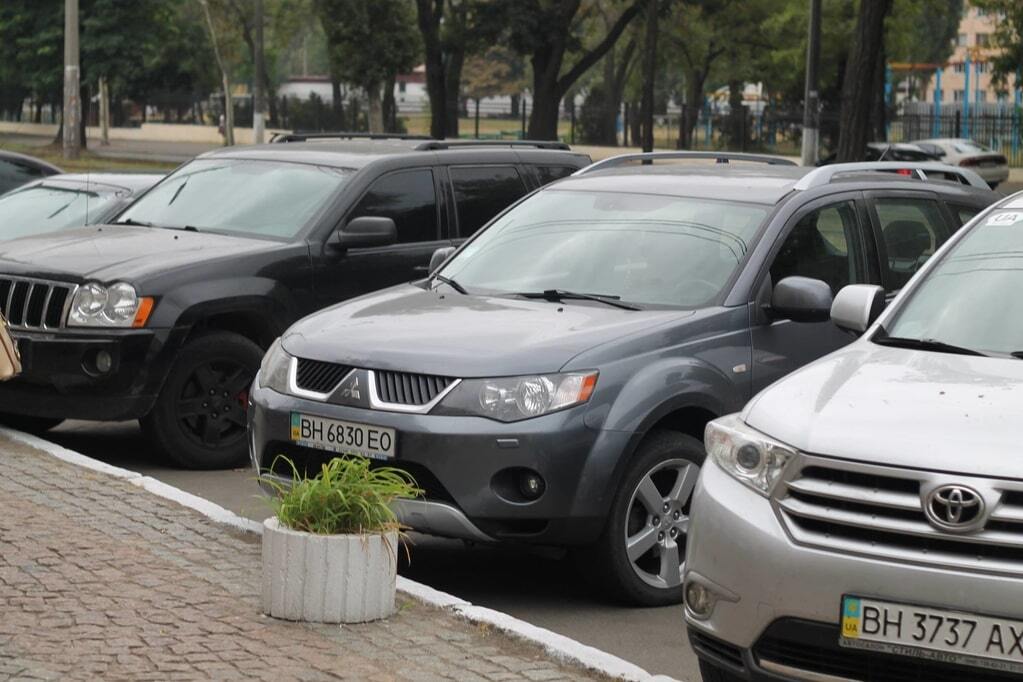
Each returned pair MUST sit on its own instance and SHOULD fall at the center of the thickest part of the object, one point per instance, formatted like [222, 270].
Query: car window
[964, 214]
[14, 174]
[644, 248]
[481, 192]
[253, 197]
[911, 230]
[971, 298]
[40, 209]
[549, 174]
[409, 198]
[932, 149]
[825, 245]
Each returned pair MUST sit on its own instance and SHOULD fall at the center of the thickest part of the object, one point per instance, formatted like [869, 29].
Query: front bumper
[60, 379]
[461, 461]
[778, 618]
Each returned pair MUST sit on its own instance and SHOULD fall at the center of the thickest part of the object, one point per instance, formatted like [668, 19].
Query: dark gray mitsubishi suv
[549, 383]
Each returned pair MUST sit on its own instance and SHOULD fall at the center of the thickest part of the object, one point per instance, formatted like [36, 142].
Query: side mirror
[857, 306]
[366, 231]
[439, 256]
[801, 299]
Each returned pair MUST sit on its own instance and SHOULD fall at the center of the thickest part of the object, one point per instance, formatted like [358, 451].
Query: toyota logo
[954, 507]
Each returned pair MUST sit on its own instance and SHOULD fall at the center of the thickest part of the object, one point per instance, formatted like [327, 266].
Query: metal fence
[996, 125]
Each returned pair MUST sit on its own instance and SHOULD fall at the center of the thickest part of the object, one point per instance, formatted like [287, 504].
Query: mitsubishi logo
[351, 390]
[954, 507]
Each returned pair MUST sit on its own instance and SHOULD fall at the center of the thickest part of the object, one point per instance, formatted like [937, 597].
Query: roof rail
[454, 144]
[649, 157]
[825, 174]
[302, 137]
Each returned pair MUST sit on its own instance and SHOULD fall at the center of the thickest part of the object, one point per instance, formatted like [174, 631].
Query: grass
[345, 497]
[88, 161]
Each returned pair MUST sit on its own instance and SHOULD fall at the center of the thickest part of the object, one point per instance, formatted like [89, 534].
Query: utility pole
[811, 96]
[72, 93]
[258, 95]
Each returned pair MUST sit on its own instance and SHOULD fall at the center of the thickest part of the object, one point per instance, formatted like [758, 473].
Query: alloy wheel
[211, 409]
[657, 522]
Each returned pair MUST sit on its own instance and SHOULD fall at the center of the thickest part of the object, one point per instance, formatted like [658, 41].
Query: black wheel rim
[211, 409]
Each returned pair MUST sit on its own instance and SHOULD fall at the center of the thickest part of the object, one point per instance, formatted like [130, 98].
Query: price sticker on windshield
[1004, 219]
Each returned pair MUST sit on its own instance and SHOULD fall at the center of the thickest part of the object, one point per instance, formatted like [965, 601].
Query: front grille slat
[878, 511]
[405, 388]
[317, 376]
[33, 304]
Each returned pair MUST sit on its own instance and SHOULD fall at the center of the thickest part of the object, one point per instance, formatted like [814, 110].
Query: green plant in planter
[345, 497]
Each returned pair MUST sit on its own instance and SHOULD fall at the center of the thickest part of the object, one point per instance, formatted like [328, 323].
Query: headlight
[273, 371]
[746, 454]
[511, 399]
[96, 305]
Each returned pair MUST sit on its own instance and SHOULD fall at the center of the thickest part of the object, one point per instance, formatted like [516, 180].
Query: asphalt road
[540, 587]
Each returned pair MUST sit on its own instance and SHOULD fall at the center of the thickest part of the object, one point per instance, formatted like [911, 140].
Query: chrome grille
[318, 376]
[878, 511]
[403, 388]
[28, 303]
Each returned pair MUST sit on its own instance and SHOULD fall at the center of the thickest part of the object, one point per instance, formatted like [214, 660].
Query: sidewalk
[100, 579]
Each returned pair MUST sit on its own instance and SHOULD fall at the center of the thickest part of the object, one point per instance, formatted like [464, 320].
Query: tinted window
[481, 192]
[964, 213]
[409, 199]
[551, 173]
[259, 198]
[643, 248]
[15, 174]
[912, 229]
[824, 245]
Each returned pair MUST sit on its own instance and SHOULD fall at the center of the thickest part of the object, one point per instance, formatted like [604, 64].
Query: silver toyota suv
[862, 518]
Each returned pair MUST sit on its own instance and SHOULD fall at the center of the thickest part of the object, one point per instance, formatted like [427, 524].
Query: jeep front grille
[318, 376]
[34, 304]
[878, 511]
[403, 388]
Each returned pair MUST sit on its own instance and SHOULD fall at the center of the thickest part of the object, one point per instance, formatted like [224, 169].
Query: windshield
[972, 297]
[46, 208]
[259, 198]
[969, 147]
[641, 248]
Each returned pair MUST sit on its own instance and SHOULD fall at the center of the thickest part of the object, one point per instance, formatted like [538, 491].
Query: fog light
[531, 485]
[103, 362]
[699, 600]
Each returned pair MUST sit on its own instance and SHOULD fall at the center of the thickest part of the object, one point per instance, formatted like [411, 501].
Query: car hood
[904, 408]
[116, 252]
[407, 328]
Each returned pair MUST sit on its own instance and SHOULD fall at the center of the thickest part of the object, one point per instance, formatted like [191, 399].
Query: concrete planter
[328, 578]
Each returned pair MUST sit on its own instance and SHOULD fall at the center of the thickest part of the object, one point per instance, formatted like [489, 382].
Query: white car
[986, 162]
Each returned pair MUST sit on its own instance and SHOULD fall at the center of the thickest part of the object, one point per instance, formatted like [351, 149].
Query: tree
[370, 41]
[862, 88]
[225, 75]
[546, 32]
[649, 75]
[1008, 38]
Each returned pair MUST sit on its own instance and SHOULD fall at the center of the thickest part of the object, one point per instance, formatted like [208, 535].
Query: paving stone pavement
[99, 579]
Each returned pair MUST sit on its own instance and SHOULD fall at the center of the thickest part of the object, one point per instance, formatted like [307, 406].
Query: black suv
[164, 315]
[551, 381]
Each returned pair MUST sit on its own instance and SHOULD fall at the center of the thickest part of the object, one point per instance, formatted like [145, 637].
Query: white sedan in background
[986, 162]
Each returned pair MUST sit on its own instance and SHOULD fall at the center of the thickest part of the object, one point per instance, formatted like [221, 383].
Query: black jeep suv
[164, 315]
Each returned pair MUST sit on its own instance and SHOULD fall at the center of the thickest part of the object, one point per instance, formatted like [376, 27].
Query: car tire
[711, 673]
[650, 512]
[28, 423]
[199, 419]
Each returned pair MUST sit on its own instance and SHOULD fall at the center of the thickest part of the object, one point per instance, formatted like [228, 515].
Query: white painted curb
[559, 647]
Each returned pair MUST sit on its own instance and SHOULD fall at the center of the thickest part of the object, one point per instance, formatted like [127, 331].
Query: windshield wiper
[924, 344]
[132, 221]
[556, 295]
[451, 283]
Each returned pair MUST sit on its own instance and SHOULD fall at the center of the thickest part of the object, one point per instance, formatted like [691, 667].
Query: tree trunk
[390, 106]
[649, 75]
[228, 113]
[691, 109]
[635, 124]
[615, 77]
[429, 16]
[736, 116]
[860, 83]
[376, 112]
[453, 62]
[879, 109]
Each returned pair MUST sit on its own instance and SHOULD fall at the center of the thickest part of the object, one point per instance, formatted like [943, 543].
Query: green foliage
[347, 496]
[1008, 38]
[498, 71]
